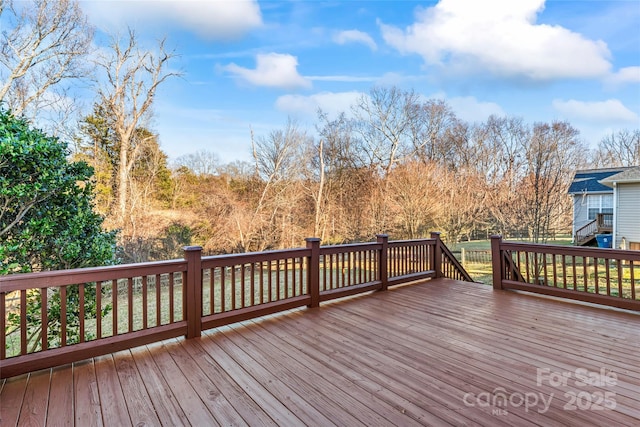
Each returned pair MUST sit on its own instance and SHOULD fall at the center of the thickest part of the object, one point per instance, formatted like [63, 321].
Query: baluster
[63, 316]
[81, 313]
[145, 306]
[44, 317]
[99, 310]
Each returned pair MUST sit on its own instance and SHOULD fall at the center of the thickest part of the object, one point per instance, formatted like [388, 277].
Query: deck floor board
[88, 404]
[36, 396]
[218, 404]
[371, 381]
[302, 381]
[456, 366]
[364, 406]
[240, 403]
[164, 402]
[412, 365]
[139, 404]
[271, 386]
[60, 405]
[11, 399]
[181, 389]
[112, 394]
[436, 353]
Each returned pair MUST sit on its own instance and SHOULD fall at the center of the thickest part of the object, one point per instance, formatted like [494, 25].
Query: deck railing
[602, 276]
[58, 317]
[603, 223]
[586, 232]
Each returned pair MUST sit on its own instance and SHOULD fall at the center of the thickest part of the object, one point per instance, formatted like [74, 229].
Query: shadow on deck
[440, 352]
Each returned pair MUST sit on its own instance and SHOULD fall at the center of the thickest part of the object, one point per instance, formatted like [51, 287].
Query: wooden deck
[436, 353]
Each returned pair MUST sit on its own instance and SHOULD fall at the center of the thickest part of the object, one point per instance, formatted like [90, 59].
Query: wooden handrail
[604, 220]
[602, 223]
[197, 293]
[602, 276]
[512, 271]
[586, 231]
[458, 272]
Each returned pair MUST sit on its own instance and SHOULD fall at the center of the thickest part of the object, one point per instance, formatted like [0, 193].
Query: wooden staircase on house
[586, 235]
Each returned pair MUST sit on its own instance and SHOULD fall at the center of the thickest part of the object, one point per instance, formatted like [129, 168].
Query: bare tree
[346, 196]
[384, 121]
[619, 149]
[552, 154]
[45, 46]
[501, 140]
[146, 181]
[318, 193]
[269, 219]
[327, 160]
[238, 169]
[201, 163]
[432, 125]
[132, 78]
[415, 196]
[461, 202]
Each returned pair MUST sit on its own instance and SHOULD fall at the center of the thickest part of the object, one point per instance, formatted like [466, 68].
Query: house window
[599, 203]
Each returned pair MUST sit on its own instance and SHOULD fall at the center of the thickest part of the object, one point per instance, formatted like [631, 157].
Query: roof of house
[588, 181]
[631, 175]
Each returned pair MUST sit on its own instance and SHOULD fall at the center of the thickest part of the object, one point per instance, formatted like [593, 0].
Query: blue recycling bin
[604, 240]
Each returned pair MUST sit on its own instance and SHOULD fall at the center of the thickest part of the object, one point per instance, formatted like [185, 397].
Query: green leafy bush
[47, 220]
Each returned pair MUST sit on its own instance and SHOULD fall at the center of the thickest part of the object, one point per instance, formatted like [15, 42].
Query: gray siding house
[626, 207]
[590, 198]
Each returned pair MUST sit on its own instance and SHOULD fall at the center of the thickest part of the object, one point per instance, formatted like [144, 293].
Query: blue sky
[252, 64]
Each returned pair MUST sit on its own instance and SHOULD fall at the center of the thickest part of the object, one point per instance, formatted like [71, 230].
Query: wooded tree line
[394, 163]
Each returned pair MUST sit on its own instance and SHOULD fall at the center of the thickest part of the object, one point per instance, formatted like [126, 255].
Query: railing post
[193, 290]
[383, 273]
[313, 278]
[496, 261]
[437, 254]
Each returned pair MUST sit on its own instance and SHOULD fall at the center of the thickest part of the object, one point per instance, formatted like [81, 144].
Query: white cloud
[208, 18]
[625, 75]
[500, 37]
[605, 112]
[332, 103]
[272, 70]
[355, 36]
